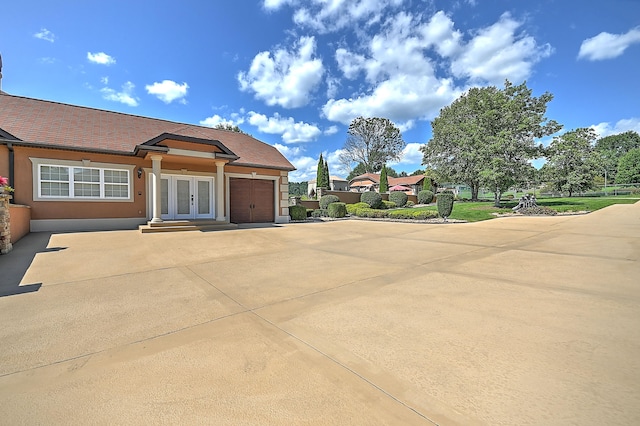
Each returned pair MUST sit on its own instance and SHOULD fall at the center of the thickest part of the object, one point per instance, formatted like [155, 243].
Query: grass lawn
[476, 211]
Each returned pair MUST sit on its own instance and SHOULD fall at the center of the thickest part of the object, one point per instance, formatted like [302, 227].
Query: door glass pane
[164, 196]
[204, 197]
[183, 196]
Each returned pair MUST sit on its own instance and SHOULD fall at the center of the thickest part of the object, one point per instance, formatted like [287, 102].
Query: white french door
[187, 197]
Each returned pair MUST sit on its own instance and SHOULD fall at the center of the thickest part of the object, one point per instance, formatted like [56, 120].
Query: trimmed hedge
[445, 203]
[373, 199]
[410, 204]
[298, 212]
[425, 197]
[320, 213]
[419, 215]
[398, 197]
[325, 200]
[352, 208]
[337, 210]
[388, 205]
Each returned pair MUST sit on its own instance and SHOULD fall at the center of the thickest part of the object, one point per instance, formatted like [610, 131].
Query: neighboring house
[371, 182]
[81, 168]
[335, 183]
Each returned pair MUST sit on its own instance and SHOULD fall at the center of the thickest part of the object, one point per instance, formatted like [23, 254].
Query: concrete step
[186, 225]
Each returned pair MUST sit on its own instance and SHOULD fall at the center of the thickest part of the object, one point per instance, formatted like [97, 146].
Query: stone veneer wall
[5, 230]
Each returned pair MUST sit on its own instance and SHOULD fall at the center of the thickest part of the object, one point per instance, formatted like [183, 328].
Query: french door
[187, 197]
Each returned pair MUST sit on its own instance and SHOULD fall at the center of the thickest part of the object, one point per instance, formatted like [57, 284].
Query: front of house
[80, 168]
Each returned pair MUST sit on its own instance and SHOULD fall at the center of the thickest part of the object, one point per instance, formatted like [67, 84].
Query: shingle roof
[374, 177]
[68, 126]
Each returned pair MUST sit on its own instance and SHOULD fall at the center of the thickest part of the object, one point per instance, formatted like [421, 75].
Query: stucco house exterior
[336, 183]
[371, 182]
[80, 168]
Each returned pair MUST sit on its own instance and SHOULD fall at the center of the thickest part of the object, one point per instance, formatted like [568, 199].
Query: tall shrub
[425, 197]
[325, 200]
[426, 184]
[384, 181]
[327, 178]
[445, 204]
[398, 197]
[372, 198]
[320, 173]
[298, 212]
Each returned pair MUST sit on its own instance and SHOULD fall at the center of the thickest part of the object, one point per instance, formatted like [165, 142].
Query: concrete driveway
[510, 321]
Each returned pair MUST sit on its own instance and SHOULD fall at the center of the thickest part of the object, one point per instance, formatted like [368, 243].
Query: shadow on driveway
[14, 265]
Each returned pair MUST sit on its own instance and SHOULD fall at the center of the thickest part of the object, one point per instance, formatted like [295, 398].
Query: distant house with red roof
[371, 182]
[81, 168]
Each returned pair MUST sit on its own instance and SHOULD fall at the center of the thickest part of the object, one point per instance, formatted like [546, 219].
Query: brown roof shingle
[68, 126]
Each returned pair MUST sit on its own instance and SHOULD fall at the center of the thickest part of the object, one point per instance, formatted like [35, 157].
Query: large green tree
[571, 166]
[629, 167]
[372, 142]
[610, 149]
[486, 137]
[320, 173]
[357, 171]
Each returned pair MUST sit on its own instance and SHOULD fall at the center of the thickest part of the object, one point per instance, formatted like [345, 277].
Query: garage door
[251, 200]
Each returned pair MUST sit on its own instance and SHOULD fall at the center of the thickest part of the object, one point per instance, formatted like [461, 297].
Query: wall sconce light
[139, 172]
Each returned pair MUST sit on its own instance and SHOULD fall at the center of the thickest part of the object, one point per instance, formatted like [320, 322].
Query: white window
[56, 181]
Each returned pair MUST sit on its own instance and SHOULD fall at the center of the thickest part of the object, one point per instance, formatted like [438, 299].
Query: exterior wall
[4, 161]
[189, 146]
[19, 221]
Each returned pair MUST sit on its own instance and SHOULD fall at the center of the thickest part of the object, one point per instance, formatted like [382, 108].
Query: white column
[220, 191]
[157, 188]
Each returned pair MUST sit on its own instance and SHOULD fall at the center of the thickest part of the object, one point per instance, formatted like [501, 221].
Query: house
[335, 184]
[371, 182]
[80, 168]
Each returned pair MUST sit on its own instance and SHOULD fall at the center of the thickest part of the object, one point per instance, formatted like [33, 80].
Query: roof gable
[44, 123]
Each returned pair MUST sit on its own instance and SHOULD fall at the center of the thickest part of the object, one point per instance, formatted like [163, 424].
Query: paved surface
[510, 321]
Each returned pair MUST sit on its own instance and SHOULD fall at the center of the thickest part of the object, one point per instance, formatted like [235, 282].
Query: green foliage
[337, 210]
[372, 142]
[230, 127]
[320, 213]
[425, 197]
[398, 197]
[325, 200]
[357, 171]
[326, 183]
[373, 199]
[409, 204]
[298, 212]
[388, 205]
[391, 172]
[610, 149]
[629, 167]
[384, 182]
[426, 184]
[298, 188]
[352, 208]
[418, 215]
[445, 204]
[487, 136]
[320, 172]
[570, 165]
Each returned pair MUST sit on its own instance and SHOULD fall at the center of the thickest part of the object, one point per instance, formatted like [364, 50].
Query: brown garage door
[251, 200]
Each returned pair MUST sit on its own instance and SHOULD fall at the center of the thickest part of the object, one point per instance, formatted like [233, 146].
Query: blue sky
[295, 73]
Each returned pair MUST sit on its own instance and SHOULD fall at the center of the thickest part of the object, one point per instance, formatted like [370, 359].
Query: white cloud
[305, 165]
[411, 154]
[290, 130]
[101, 58]
[168, 91]
[215, 119]
[285, 78]
[608, 46]
[332, 130]
[45, 34]
[125, 96]
[497, 53]
[621, 126]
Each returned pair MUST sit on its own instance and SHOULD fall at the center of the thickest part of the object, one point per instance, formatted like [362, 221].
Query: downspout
[11, 177]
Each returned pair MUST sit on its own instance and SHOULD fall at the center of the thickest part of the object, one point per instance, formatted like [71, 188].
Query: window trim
[37, 163]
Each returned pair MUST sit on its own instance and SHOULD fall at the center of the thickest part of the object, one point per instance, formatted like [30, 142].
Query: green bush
[325, 200]
[373, 199]
[320, 213]
[298, 212]
[410, 204]
[445, 204]
[425, 196]
[398, 197]
[388, 205]
[352, 208]
[420, 215]
[309, 212]
[337, 210]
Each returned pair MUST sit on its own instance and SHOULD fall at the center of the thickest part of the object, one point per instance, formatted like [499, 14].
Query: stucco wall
[19, 220]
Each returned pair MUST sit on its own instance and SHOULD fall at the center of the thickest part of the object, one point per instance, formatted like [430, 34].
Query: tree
[629, 167]
[611, 149]
[571, 166]
[357, 171]
[298, 188]
[320, 173]
[372, 142]
[486, 137]
[417, 172]
[384, 182]
[326, 182]
[230, 127]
